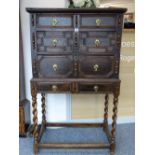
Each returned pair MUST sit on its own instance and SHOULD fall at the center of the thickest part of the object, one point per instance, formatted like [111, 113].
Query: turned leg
[113, 131]
[106, 109]
[43, 108]
[35, 117]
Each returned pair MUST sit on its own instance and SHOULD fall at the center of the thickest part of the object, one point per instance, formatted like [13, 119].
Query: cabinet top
[77, 10]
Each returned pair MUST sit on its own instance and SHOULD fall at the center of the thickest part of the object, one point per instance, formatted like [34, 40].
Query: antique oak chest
[77, 51]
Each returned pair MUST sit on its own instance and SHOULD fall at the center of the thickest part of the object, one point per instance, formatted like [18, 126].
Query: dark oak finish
[106, 108]
[107, 41]
[45, 42]
[75, 124]
[96, 66]
[77, 51]
[76, 10]
[55, 66]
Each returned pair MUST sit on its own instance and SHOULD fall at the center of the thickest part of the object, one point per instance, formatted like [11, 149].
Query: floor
[125, 141]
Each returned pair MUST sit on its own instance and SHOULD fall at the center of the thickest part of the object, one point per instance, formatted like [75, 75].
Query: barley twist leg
[106, 109]
[35, 117]
[113, 131]
[43, 108]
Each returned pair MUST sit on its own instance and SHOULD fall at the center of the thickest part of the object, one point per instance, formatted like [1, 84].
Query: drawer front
[54, 42]
[98, 21]
[54, 21]
[97, 42]
[96, 87]
[55, 87]
[96, 66]
[55, 66]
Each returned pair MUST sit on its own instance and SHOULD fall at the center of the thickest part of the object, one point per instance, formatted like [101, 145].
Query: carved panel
[33, 41]
[55, 66]
[120, 21]
[34, 68]
[116, 66]
[96, 66]
[97, 42]
[76, 53]
[55, 42]
[32, 20]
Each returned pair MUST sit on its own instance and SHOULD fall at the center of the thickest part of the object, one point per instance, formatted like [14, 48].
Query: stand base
[48, 145]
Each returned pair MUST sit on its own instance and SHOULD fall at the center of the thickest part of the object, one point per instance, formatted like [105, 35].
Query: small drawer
[54, 87]
[98, 21]
[96, 88]
[54, 42]
[54, 21]
[97, 42]
[55, 66]
[96, 66]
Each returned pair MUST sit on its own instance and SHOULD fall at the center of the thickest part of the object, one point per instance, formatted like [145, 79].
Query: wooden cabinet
[77, 51]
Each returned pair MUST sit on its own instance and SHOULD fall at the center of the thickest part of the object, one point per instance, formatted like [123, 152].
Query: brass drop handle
[96, 67]
[54, 22]
[55, 67]
[54, 88]
[54, 42]
[98, 22]
[97, 42]
[96, 88]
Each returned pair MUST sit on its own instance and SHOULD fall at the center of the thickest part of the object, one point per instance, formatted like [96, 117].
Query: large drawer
[54, 21]
[96, 66]
[55, 66]
[97, 42]
[98, 21]
[54, 42]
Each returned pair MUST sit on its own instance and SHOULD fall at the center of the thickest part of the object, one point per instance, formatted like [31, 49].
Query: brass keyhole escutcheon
[96, 67]
[54, 22]
[97, 42]
[55, 67]
[98, 22]
[54, 88]
[54, 42]
[96, 88]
